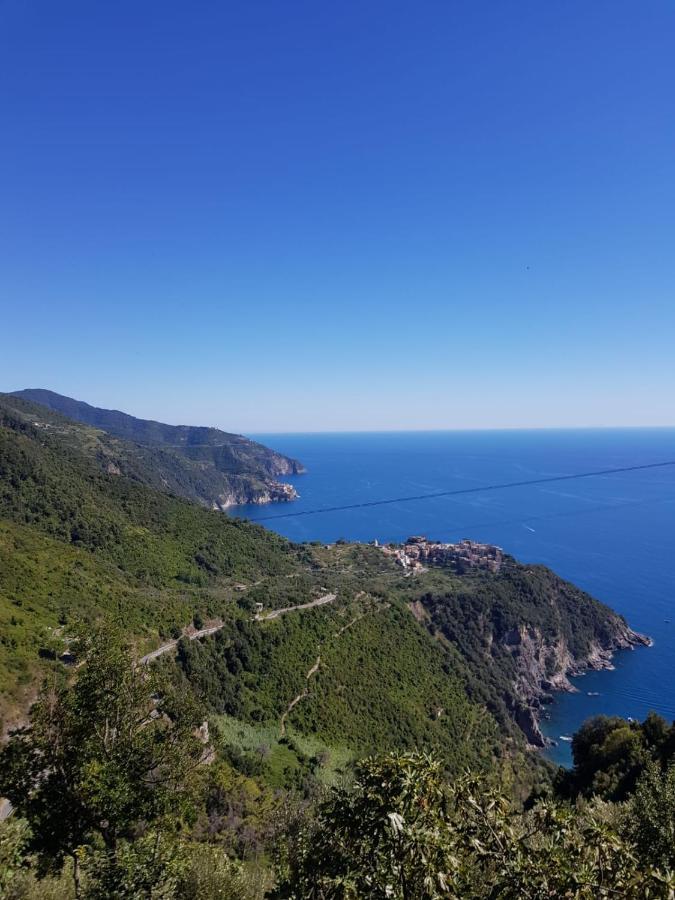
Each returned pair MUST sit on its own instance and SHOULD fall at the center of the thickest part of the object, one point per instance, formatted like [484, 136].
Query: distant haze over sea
[613, 535]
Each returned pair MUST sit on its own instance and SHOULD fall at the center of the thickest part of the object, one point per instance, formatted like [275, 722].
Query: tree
[14, 835]
[403, 833]
[610, 754]
[114, 748]
[384, 838]
[651, 816]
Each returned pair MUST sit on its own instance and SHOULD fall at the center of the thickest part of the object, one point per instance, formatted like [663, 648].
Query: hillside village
[463, 556]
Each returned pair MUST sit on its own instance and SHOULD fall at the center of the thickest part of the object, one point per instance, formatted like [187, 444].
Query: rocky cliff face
[273, 492]
[276, 464]
[544, 666]
[524, 632]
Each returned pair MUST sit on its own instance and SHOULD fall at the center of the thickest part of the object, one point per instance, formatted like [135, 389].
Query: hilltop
[212, 467]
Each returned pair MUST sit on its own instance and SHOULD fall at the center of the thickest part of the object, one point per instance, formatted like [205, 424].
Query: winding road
[6, 808]
[171, 645]
[211, 629]
[320, 601]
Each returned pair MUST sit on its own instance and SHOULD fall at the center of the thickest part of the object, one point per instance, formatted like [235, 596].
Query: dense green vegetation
[77, 542]
[524, 594]
[611, 755]
[485, 618]
[53, 485]
[381, 684]
[119, 793]
[201, 464]
[376, 680]
[111, 780]
[402, 831]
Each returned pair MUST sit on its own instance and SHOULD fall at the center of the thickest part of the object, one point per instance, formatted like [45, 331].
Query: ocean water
[612, 535]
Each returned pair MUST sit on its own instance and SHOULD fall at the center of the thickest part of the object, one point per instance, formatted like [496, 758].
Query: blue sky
[315, 216]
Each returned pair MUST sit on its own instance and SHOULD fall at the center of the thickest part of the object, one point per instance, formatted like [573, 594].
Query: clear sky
[288, 216]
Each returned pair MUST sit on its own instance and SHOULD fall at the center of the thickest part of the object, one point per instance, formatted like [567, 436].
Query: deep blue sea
[613, 535]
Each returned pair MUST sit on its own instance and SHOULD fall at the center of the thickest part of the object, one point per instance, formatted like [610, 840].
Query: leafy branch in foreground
[402, 833]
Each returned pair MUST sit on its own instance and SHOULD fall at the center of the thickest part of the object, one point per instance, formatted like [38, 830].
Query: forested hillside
[78, 539]
[291, 664]
[81, 542]
[209, 466]
[156, 806]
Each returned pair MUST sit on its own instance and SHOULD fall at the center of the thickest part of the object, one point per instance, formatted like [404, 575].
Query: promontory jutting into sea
[186, 650]
[610, 536]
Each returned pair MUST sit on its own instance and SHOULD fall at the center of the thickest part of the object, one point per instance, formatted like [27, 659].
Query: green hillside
[424, 661]
[76, 541]
[249, 670]
[206, 465]
[99, 568]
[79, 543]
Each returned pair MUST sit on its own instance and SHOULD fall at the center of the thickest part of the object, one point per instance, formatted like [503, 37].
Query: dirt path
[299, 697]
[305, 693]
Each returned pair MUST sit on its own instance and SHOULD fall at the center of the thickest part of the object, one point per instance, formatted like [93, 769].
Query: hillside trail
[298, 697]
[171, 645]
[6, 808]
[275, 613]
[315, 668]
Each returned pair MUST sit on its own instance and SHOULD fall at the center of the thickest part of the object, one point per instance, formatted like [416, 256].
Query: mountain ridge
[212, 467]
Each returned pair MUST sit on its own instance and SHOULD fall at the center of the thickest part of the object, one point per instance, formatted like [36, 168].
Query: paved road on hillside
[259, 617]
[171, 645]
[320, 601]
[6, 808]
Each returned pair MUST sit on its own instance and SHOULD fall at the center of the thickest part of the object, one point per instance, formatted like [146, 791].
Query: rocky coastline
[271, 492]
[544, 667]
[208, 466]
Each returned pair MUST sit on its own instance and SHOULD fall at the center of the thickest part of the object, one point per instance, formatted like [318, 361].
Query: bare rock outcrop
[544, 665]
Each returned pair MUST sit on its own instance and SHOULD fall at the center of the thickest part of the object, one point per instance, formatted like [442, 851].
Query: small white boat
[593, 694]
[566, 737]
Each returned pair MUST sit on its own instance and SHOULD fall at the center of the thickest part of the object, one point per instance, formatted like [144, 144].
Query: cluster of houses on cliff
[462, 556]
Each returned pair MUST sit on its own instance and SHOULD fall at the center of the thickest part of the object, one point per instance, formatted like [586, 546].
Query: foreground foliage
[610, 755]
[114, 799]
[402, 832]
[114, 749]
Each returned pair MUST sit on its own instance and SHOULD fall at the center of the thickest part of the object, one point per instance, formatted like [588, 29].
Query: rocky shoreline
[272, 492]
[544, 668]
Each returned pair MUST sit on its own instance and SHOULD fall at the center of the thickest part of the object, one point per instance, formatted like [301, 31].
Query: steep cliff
[544, 665]
[524, 632]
